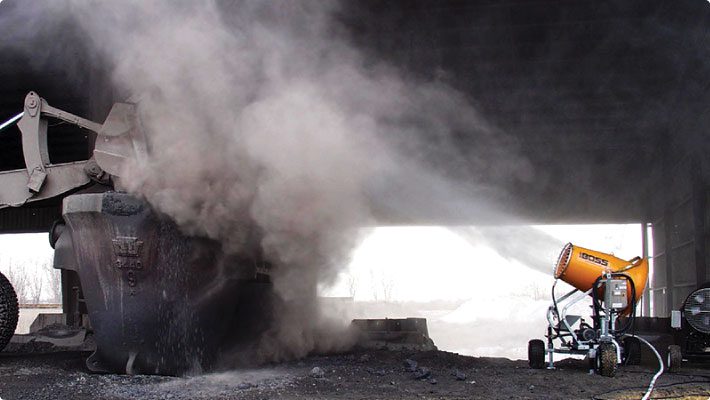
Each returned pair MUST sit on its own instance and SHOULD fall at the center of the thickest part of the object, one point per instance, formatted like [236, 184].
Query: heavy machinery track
[8, 311]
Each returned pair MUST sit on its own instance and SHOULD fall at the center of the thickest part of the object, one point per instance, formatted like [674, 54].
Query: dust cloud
[272, 135]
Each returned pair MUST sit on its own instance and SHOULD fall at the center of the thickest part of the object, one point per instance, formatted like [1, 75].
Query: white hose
[660, 370]
[11, 120]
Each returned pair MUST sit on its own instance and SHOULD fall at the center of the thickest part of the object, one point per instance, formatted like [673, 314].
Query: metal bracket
[34, 142]
[37, 177]
[34, 138]
[118, 140]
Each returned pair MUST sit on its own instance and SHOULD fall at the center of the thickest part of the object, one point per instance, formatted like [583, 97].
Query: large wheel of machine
[632, 351]
[606, 359]
[536, 354]
[8, 311]
[675, 358]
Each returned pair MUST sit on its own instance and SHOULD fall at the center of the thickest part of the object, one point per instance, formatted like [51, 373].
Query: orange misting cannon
[615, 286]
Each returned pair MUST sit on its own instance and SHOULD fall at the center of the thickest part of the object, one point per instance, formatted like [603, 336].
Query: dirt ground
[362, 374]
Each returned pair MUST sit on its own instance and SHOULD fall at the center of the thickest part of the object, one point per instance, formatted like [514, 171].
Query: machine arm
[118, 140]
[68, 117]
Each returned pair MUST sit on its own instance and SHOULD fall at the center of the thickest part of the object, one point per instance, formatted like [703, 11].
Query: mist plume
[269, 131]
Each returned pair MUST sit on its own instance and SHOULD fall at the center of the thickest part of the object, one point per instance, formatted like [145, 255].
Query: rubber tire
[8, 311]
[632, 351]
[606, 360]
[674, 359]
[536, 354]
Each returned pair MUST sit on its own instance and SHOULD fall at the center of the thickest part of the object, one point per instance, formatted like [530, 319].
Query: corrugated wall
[680, 238]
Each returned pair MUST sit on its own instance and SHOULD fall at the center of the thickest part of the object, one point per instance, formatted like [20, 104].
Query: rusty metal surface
[159, 302]
[393, 334]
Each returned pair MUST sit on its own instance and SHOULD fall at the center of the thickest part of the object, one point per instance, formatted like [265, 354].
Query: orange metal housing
[580, 267]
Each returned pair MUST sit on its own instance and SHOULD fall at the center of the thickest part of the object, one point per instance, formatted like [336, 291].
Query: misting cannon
[615, 286]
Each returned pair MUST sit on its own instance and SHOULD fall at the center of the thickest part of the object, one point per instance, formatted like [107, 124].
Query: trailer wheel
[632, 351]
[536, 353]
[8, 311]
[675, 358]
[606, 359]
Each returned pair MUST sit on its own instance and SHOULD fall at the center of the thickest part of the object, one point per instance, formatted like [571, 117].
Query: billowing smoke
[269, 132]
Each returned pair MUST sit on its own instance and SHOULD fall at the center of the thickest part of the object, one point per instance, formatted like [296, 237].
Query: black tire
[536, 354]
[606, 359]
[674, 359]
[632, 351]
[8, 311]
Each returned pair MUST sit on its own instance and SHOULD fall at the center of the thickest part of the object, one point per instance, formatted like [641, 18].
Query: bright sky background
[28, 255]
[434, 263]
[411, 263]
[25, 246]
[501, 303]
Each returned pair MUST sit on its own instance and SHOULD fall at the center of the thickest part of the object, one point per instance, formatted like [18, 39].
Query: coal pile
[362, 374]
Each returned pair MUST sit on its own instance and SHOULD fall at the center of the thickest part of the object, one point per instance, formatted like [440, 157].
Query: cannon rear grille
[697, 310]
[563, 260]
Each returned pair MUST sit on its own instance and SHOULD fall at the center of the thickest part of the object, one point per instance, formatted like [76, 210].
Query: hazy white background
[492, 306]
[477, 302]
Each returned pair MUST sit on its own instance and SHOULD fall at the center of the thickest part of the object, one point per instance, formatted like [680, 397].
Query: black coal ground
[356, 375]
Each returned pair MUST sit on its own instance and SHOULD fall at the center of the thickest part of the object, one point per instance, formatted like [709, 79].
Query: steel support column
[699, 215]
[646, 306]
[668, 232]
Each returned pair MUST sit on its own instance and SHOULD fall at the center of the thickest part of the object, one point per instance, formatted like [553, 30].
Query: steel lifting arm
[118, 140]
